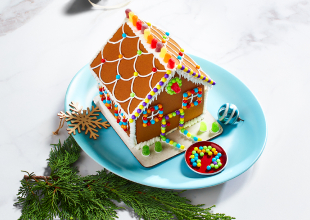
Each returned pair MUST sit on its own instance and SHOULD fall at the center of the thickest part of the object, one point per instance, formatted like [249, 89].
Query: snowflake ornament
[83, 120]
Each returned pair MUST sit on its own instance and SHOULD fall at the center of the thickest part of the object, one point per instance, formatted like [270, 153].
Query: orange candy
[134, 20]
[160, 106]
[215, 153]
[199, 89]
[192, 104]
[149, 38]
[167, 57]
[189, 93]
[120, 56]
[184, 107]
[203, 151]
[197, 67]
[156, 119]
[163, 41]
[198, 151]
[144, 125]
[148, 111]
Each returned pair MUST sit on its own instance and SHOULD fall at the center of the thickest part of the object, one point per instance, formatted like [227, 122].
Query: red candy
[139, 25]
[184, 101]
[154, 43]
[124, 120]
[102, 60]
[102, 98]
[160, 118]
[175, 87]
[148, 123]
[144, 118]
[152, 109]
[100, 89]
[181, 54]
[192, 91]
[127, 12]
[171, 63]
[168, 123]
[154, 69]
[118, 120]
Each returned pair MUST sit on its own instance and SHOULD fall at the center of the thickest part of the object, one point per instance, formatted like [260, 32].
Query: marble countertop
[265, 43]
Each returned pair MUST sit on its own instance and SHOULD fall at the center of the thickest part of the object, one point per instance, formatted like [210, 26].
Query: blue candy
[196, 158]
[156, 107]
[178, 145]
[196, 155]
[216, 157]
[115, 106]
[167, 33]
[161, 112]
[144, 121]
[144, 112]
[219, 154]
[100, 93]
[152, 122]
[185, 132]
[194, 164]
[213, 159]
[195, 103]
[167, 140]
[124, 35]
[185, 95]
[196, 90]
[109, 101]
[120, 123]
[179, 58]
[104, 101]
[118, 76]
[208, 168]
[192, 160]
[195, 138]
[200, 148]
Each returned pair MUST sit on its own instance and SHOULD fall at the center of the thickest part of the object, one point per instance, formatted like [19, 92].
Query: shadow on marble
[79, 6]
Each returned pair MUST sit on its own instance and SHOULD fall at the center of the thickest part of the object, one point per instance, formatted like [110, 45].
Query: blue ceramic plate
[244, 142]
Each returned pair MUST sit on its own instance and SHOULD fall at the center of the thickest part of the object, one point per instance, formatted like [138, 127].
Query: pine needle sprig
[67, 195]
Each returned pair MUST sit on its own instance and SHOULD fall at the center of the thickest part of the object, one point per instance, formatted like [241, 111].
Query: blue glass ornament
[228, 114]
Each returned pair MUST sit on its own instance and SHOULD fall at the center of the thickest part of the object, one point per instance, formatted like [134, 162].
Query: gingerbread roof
[134, 73]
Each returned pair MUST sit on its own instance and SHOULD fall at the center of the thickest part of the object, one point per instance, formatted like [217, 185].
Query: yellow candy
[191, 72]
[152, 93]
[148, 23]
[211, 81]
[182, 50]
[146, 100]
[136, 114]
[206, 79]
[186, 69]
[158, 86]
[171, 142]
[209, 153]
[181, 119]
[163, 79]
[163, 122]
[170, 115]
[188, 134]
[196, 148]
[163, 131]
[163, 52]
[198, 164]
[213, 149]
[147, 32]
[141, 107]
[199, 139]
[191, 156]
[179, 66]
[181, 110]
[182, 147]
[168, 72]
[130, 120]
[131, 14]
[135, 74]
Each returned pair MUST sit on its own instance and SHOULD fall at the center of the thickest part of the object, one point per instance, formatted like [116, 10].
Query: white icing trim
[194, 121]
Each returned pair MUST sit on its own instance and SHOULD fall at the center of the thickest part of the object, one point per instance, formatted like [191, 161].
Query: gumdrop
[143, 27]
[127, 12]
[203, 126]
[146, 150]
[154, 43]
[159, 45]
[171, 63]
[175, 87]
[215, 127]
[139, 25]
[158, 147]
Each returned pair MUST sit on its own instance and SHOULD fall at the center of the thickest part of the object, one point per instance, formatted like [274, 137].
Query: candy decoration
[174, 85]
[127, 12]
[139, 25]
[163, 52]
[147, 32]
[171, 63]
[143, 28]
[159, 45]
[228, 114]
[158, 147]
[146, 150]
[215, 127]
[167, 57]
[149, 38]
[203, 126]
[134, 20]
[154, 43]
[131, 14]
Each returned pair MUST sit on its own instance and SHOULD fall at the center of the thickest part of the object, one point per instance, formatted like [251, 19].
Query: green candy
[192, 136]
[207, 150]
[170, 84]
[218, 160]
[181, 122]
[146, 150]
[209, 147]
[203, 126]
[173, 80]
[164, 37]
[174, 114]
[132, 94]
[193, 152]
[215, 127]
[158, 147]
[139, 52]
[182, 113]
[205, 147]
[163, 119]
[220, 164]
[168, 88]
[182, 130]
[198, 161]
[202, 154]
[212, 165]
[216, 166]
[163, 138]
[175, 144]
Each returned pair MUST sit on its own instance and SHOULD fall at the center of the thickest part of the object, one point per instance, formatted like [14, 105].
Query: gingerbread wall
[170, 104]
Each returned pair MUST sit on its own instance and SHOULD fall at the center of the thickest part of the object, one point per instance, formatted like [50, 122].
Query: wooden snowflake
[83, 119]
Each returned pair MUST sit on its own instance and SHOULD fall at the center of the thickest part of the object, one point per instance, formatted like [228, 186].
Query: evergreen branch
[67, 195]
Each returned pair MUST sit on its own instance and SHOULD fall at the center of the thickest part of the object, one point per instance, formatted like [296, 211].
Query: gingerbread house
[148, 83]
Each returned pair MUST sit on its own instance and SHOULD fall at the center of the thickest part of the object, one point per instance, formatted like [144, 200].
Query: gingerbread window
[152, 115]
[192, 98]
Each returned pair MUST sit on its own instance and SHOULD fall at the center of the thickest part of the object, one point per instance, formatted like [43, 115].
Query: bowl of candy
[206, 158]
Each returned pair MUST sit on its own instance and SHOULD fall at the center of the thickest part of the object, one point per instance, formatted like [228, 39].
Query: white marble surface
[265, 43]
